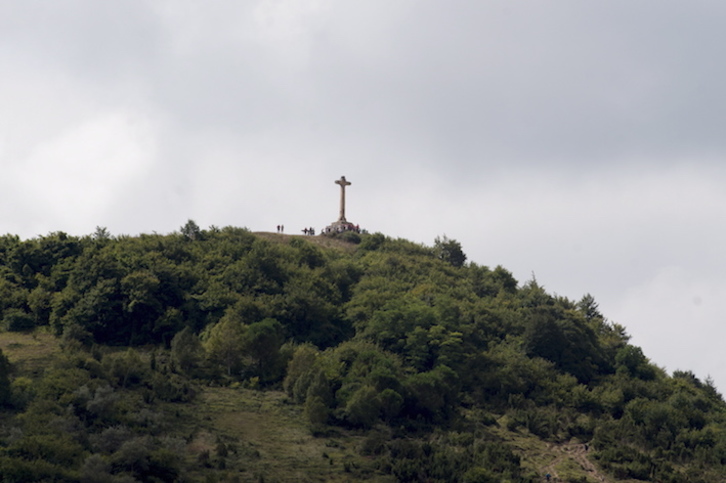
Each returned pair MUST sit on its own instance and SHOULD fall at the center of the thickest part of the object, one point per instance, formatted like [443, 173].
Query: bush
[17, 470]
[172, 388]
[391, 403]
[316, 412]
[372, 242]
[126, 368]
[350, 237]
[363, 408]
[480, 475]
[16, 320]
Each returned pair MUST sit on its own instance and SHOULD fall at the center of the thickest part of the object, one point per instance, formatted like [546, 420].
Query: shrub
[16, 320]
[350, 237]
[363, 407]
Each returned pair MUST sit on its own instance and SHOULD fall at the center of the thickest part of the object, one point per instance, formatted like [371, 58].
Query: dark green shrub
[350, 237]
[16, 320]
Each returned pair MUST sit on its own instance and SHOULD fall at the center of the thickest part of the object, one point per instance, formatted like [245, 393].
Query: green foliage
[567, 341]
[224, 344]
[5, 385]
[187, 352]
[489, 283]
[56, 449]
[20, 470]
[454, 457]
[350, 237]
[363, 408]
[630, 360]
[372, 242]
[449, 251]
[316, 412]
[16, 320]
[433, 361]
[261, 344]
[126, 369]
[300, 366]
[191, 230]
[433, 394]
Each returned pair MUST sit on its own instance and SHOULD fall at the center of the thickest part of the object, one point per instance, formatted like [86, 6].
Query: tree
[39, 302]
[261, 344]
[127, 368]
[302, 362]
[316, 411]
[224, 344]
[449, 251]
[99, 311]
[567, 341]
[589, 308]
[186, 351]
[631, 360]
[140, 303]
[391, 403]
[363, 407]
[191, 230]
[434, 393]
[101, 234]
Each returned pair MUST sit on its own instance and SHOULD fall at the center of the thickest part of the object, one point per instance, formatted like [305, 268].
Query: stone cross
[343, 183]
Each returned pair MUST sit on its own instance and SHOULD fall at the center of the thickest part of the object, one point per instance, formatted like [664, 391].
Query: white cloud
[69, 181]
[676, 316]
[579, 141]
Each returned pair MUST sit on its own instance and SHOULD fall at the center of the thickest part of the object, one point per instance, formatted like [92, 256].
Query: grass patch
[319, 240]
[30, 353]
[259, 434]
[564, 461]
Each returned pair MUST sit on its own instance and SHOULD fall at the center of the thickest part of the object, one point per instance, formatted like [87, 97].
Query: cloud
[577, 141]
[79, 174]
[675, 316]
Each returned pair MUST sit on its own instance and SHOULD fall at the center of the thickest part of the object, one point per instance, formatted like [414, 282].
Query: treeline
[412, 345]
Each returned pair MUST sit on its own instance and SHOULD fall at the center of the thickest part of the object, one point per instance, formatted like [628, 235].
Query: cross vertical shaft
[343, 183]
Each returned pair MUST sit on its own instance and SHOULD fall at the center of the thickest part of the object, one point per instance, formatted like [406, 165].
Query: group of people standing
[307, 231]
[341, 227]
[335, 228]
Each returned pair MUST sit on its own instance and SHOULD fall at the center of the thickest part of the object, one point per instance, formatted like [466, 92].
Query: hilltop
[226, 355]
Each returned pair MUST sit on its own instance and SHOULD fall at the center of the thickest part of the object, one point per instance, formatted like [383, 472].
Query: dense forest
[156, 356]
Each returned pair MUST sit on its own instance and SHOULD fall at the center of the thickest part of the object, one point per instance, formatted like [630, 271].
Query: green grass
[565, 461]
[267, 438]
[30, 353]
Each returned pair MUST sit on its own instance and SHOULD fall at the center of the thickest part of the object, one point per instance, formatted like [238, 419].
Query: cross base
[340, 226]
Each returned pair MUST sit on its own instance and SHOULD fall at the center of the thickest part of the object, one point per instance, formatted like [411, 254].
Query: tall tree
[186, 351]
[261, 345]
[224, 344]
[450, 251]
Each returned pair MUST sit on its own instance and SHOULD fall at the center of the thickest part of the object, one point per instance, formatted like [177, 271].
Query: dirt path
[576, 452]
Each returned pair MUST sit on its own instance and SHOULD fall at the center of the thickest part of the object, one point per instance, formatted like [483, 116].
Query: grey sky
[577, 141]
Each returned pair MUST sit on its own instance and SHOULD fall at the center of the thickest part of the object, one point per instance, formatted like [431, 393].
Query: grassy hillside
[260, 435]
[223, 355]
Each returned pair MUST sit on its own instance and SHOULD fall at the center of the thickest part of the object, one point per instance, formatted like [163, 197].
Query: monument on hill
[343, 183]
[342, 224]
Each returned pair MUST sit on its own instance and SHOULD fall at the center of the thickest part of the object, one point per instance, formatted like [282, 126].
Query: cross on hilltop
[343, 183]
[342, 224]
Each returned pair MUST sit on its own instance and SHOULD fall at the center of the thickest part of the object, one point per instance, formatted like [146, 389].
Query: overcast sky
[578, 142]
